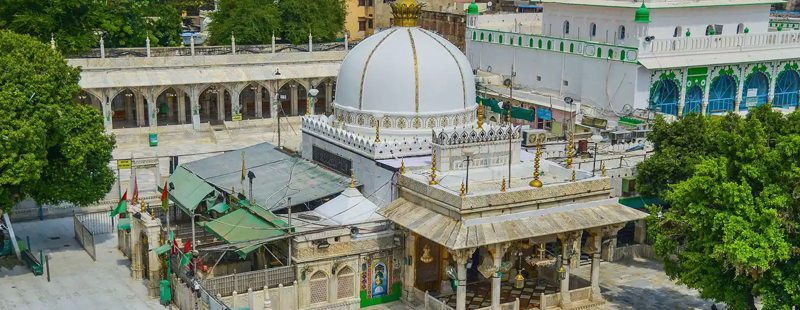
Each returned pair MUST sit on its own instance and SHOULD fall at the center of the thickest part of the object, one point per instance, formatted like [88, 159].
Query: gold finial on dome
[406, 12]
[352, 180]
[480, 115]
[433, 169]
[402, 166]
[536, 182]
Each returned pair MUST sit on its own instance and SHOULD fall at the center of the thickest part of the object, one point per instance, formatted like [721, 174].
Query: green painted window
[531, 43]
[572, 47]
[561, 46]
[549, 45]
[490, 37]
[610, 54]
[473, 35]
[519, 41]
[501, 39]
[599, 52]
[481, 36]
[540, 43]
[622, 55]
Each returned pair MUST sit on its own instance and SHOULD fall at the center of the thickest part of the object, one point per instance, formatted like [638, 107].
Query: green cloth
[522, 113]
[121, 208]
[190, 190]
[162, 249]
[220, 208]
[124, 223]
[244, 229]
[641, 202]
[185, 259]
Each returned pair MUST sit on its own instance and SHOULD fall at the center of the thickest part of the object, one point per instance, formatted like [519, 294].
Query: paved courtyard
[77, 282]
[642, 285]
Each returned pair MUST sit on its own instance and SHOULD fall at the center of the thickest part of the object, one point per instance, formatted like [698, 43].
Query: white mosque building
[618, 56]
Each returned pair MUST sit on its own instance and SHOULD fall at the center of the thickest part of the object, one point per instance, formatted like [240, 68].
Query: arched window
[549, 45]
[599, 52]
[592, 30]
[622, 55]
[490, 37]
[481, 36]
[530, 43]
[693, 103]
[721, 95]
[622, 32]
[561, 46]
[566, 27]
[345, 279]
[786, 89]
[501, 39]
[758, 83]
[664, 97]
[519, 41]
[473, 35]
[572, 47]
[610, 54]
[540, 44]
[710, 30]
[318, 285]
[677, 32]
[740, 28]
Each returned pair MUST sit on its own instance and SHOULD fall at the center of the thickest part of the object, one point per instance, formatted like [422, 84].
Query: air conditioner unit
[529, 137]
[628, 186]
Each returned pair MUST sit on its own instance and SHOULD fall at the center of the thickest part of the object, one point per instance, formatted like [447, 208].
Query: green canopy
[162, 249]
[124, 223]
[243, 229]
[640, 202]
[221, 207]
[190, 190]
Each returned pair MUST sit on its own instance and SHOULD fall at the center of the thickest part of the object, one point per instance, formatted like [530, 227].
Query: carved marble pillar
[567, 241]
[294, 98]
[140, 113]
[410, 275]
[181, 106]
[682, 96]
[499, 252]
[274, 104]
[221, 105]
[704, 107]
[328, 96]
[610, 232]
[106, 109]
[575, 259]
[593, 248]
[152, 109]
[461, 257]
[259, 97]
[640, 231]
[128, 107]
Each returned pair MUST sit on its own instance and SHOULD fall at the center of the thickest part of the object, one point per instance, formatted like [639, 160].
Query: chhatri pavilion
[483, 223]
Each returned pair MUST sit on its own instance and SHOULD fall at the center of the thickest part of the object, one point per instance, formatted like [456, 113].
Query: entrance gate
[89, 225]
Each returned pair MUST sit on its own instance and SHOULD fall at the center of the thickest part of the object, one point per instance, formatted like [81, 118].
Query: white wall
[607, 20]
[664, 21]
[365, 170]
[594, 81]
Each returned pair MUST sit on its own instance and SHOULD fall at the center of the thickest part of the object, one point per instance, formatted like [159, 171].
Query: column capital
[570, 236]
[611, 230]
[461, 256]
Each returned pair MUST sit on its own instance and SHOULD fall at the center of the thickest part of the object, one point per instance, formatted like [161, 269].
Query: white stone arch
[318, 287]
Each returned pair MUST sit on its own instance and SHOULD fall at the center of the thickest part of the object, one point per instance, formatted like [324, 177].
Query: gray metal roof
[278, 176]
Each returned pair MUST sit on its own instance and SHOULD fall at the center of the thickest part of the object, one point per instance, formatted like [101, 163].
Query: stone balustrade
[769, 40]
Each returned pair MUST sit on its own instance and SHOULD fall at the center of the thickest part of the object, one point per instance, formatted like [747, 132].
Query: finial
[233, 190]
[503, 185]
[406, 12]
[536, 182]
[52, 41]
[480, 115]
[573, 175]
[569, 152]
[602, 169]
[142, 205]
[352, 180]
[377, 132]
[463, 190]
[402, 167]
[433, 169]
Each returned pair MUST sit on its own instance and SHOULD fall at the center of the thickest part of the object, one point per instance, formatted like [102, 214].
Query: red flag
[187, 246]
[135, 190]
[164, 193]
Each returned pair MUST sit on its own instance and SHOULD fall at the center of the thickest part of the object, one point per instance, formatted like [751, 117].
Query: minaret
[642, 19]
[472, 16]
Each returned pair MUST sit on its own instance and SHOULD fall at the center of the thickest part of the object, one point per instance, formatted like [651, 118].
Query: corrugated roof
[189, 189]
[278, 176]
[243, 229]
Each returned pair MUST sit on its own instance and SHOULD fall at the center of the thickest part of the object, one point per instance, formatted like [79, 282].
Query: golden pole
[569, 152]
[433, 169]
[536, 182]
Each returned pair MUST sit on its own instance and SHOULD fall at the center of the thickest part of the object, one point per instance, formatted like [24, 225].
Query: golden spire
[480, 115]
[602, 169]
[433, 169]
[406, 12]
[233, 190]
[503, 185]
[378, 133]
[352, 180]
[143, 210]
[402, 167]
[463, 190]
[573, 175]
[569, 152]
[536, 182]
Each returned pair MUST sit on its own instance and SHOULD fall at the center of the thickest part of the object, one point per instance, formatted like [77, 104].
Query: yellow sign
[237, 117]
[123, 163]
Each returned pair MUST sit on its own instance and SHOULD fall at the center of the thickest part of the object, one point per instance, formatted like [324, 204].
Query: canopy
[190, 190]
[164, 248]
[221, 207]
[124, 223]
[243, 229]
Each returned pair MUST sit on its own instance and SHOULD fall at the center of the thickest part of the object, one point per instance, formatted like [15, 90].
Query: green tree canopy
[733, 185]
[323, 19]
[250, 21]
[51, 148]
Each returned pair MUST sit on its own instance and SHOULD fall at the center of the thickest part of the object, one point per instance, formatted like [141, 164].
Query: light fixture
[562, 273]
[323, 245]
[520, 280]
[426, 254]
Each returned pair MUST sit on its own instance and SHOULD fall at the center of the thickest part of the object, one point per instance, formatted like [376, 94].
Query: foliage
[323, 19]
[733, 185]
[250, 21]
[51, 148]
[75, 24]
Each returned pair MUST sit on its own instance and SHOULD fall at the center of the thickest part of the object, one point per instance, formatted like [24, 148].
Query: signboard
[752, 97]
[123, 163]
[237, 117]
[544, 114]
[332, 161]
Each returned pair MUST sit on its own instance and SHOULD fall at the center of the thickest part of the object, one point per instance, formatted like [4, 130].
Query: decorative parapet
[738, 42]
[583, 48]
[490, 146]
[320, 127]
[466, 135]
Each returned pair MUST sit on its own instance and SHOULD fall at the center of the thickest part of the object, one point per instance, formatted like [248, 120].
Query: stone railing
[556, 44]
[209, 50]
[279, 298]
[744, 41]
[319, 127]
[549, 300]
[241, 282]
[433, 303]
[580, 294]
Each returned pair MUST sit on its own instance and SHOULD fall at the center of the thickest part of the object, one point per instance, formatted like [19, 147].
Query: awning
[459, 234]
[641, 202]
[220, 208]
[164, 248]
[243, 229]
[124, 223]
[190, 190]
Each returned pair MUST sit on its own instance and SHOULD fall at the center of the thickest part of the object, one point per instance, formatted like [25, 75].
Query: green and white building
[673, 56]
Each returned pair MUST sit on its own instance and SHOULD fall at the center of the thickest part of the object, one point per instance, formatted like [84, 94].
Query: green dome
[472, 9]
[642, 15]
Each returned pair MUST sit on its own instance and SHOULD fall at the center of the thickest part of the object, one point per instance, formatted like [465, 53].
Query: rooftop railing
[736, 41]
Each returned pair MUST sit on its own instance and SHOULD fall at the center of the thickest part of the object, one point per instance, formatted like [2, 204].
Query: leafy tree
[250, 21]
[51, 148]
[71, 23]
[323, 19]
[127, 23]
[732, 229]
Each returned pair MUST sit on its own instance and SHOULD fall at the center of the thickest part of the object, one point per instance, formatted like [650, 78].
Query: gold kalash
[406, 12]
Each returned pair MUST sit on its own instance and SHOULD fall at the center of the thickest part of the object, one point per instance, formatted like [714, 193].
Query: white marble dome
[406, 72]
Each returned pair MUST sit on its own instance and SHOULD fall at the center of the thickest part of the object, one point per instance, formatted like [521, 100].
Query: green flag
[122, 206]
[185, 259]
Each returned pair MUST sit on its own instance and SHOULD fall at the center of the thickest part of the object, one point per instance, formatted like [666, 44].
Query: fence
[240, 282]
[84, 237]
[199, 50]
[433, 303]
[88, 225]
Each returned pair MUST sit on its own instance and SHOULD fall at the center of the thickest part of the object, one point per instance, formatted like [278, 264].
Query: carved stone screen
[332, 161]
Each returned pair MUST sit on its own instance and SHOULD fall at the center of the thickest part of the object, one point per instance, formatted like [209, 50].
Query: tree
[128, 23]
[51, 148]
[71, 23]
[323, 19]
[732, 229]
[250, 21]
